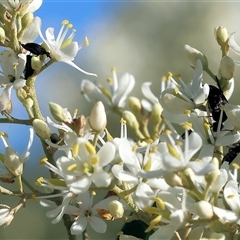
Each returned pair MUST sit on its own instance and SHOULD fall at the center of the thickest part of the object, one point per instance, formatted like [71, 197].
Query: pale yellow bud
[13, 162]
[193, 55]
[116, 209]
[42, 129]
[2, 35]
[131, 120]
[21, 94]
[98, 117]
[227, 68]
[173, 180]
[221, 35]
[27, 103]
[203, 209]
[57, 112]
[36, 63]
[135, 104]
[156, 113]
[6, 215]
[27, 19]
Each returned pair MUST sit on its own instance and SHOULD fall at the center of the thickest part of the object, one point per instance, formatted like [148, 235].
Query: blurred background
[145, 39]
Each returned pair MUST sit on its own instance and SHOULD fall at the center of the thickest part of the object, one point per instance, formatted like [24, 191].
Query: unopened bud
[203, 209]
[193, 55]
[36, 63]
[135, 104]
[98, 118]
[27, 19]
[21, 94]
[42, 129]
[6, 216]
[221, 35]
[227, 68]
[131, 120]
[13, 162]
[173, 180]
[27, 103]
[2, 35]
[116, 209]
[156, 113]
[57, 112]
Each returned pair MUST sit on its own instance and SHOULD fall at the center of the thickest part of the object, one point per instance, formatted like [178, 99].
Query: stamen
[43, 161]
[90, 148]
[95, 160]
[69, 26]
[72, 168]
[169, 75]
[65, 22]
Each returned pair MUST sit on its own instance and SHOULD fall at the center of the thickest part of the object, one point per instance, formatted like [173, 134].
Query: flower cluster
[174, 176]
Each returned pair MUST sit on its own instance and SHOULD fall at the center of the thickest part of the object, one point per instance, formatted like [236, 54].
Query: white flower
[6, 215]
[179, 215]
[86, 166]
[26, 5]
[186, 96]
[232, 198]
[116, 97]
[13, 161]
[87, 214]
[62, 49]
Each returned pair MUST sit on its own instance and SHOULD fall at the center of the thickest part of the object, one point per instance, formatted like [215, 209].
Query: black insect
[216, 100]
[183, 136]
[35, 49]
[54, 138]
[232, 153]
[28, 71]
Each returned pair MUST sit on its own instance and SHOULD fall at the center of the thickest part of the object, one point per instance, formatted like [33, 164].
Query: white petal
[101, 179]
[79, 226]
[147, 93]
[225, 215]
[106, 154]
[233, 45]
[125, 86]
[79, 69]
[98, 225]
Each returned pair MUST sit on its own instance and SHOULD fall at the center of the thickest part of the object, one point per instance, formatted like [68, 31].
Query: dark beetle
[35, 49]
[216, 100]
[232, 153]
[28, 71]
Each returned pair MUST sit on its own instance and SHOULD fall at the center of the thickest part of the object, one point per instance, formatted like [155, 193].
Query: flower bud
[6, 216]
[116, 209]
[57, 112]
[27, 103]
[42, 129]
[135, 104]
[13, 162]
[131, 120]
[36, 63]
[227, 68]
[173, 180]
[2, 35]
[221, 35]
[193, 54]
[21, 94]
[203, 209]
[27, 19]
[98, 118]
[156, 113]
